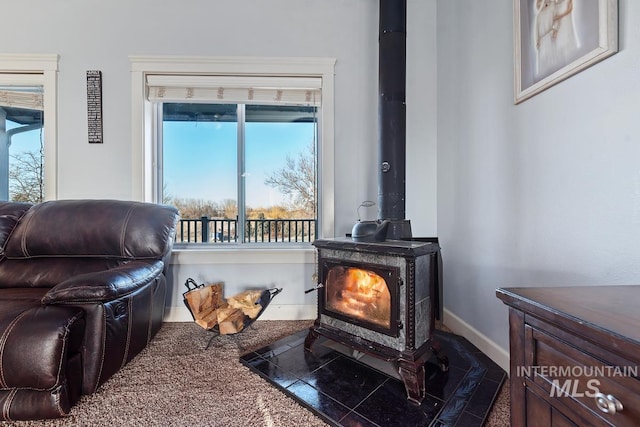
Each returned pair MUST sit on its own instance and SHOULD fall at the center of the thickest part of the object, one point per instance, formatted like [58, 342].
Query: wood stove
[381, 299]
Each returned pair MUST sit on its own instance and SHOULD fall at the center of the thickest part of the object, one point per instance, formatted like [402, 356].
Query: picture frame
[555, 39]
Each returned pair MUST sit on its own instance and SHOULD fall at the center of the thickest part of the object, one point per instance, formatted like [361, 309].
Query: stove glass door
[361, 293]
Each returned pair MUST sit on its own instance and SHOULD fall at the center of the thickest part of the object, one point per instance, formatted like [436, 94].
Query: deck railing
[216, 230]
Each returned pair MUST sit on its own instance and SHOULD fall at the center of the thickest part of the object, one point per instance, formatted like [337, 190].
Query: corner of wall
[477, 338]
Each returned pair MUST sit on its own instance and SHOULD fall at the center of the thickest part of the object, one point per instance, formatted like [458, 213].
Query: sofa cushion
[10, 213]
[10, 297]
[94, 228]
[48, 272]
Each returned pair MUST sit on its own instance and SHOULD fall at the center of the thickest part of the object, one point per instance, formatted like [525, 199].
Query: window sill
[244, 254]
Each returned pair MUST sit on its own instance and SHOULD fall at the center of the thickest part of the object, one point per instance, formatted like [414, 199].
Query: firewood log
[203, 303]
[246, 301]
[208, 321]
[230, 320]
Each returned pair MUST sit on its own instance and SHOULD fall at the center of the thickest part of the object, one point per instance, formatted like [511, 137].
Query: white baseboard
[477, 338]
[272, 312]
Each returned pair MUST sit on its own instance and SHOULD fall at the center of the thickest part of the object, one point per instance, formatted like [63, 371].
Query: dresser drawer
[581, 381]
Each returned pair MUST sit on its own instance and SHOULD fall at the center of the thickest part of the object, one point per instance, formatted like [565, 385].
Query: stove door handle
[320, 285]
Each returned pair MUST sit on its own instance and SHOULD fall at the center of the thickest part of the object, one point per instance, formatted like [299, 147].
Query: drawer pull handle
[608, 403]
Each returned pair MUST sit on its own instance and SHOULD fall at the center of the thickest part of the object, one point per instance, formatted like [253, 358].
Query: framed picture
[555, 39]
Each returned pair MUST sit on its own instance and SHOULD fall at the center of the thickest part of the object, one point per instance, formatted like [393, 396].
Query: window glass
[280, 173]
[21, 144]
[240, 173]
[199, 152]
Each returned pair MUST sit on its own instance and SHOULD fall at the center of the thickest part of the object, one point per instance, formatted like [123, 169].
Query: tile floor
[367, 392]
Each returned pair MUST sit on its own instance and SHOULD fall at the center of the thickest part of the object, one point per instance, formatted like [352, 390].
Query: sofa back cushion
[48, 272]
[10, 214]
[94, 229]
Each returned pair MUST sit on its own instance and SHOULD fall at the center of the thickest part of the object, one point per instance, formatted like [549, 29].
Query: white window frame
[44, 67]
[144, 134]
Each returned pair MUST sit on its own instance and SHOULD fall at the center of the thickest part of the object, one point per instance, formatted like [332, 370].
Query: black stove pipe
[392, 117]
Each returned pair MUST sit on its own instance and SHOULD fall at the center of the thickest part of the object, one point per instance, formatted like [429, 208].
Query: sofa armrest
[105, 285]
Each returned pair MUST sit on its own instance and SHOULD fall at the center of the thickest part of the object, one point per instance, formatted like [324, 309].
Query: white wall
[544, 193]
[100, 35]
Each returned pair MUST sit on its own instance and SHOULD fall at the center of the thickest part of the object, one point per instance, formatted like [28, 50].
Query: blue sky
[200, 158]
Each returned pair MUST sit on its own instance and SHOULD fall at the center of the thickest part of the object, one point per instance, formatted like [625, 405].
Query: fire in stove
[359, 293]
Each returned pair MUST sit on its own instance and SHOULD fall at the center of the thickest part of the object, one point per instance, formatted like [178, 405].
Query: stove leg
[443, 360]
[412, 374]
[311, 338]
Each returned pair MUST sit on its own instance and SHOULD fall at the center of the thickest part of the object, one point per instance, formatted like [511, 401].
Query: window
[241, 154]
[21, 142]
[27, 147]
[239, 173]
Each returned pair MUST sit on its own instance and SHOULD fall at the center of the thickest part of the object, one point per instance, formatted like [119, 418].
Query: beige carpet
[176, 382]
[499, 415]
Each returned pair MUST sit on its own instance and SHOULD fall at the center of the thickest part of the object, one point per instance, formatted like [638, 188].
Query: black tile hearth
[352, 390]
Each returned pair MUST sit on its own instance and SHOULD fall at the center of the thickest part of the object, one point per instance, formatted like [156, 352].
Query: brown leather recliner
[82, 291]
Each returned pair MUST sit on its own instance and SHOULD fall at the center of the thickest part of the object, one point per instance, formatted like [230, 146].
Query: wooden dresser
[575, 355]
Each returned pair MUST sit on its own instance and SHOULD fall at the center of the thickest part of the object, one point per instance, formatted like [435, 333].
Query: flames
[359, 293]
